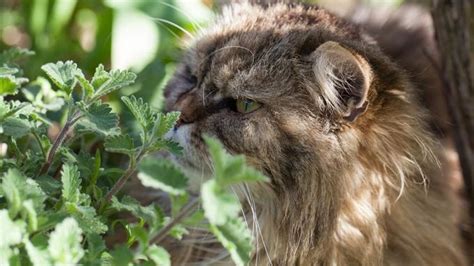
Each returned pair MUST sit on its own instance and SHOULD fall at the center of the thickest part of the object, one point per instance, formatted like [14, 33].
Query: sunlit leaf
[162, 175]
[100, 119]
[236, 237]
[158, 255]
[120, 144]
[218, 204]
[65, 243]
[15, 127]
[140, 110]
[71, 183]
[8, 85]
[11, 232]
[63, 74]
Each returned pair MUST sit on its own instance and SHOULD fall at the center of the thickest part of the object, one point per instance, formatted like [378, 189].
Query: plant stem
[131, 170]
[119, 184]
[39, 143]
[185, 211]
[58, 142]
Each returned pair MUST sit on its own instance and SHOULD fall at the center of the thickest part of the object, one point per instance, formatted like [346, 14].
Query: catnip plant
[65, 159]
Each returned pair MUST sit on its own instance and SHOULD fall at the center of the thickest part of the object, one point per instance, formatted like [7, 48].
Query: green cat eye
[246, 105]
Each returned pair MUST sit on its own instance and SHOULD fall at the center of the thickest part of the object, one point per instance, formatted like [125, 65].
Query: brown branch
[454, 28]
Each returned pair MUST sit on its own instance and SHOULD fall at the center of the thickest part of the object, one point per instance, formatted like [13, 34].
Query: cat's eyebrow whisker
[196, 25]
[172, 24]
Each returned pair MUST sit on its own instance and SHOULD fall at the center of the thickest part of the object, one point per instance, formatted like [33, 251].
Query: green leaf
[65, 243]
[230, 169]
[140, 110]
[162, 175]
[236, 238]
[62, 74]
[178, 231]
[71, 183]
[8, 85]
[87, 218]
[149, 213]
[122, 256]
[31, 215]
[37, 256]
[11, 232]
[101, 119]
[8, 71]
[120, 144]
[158, 255]
[165, 122]
[86, 86]
[100, 76]
[112, 81]
[95, 246]
[219, 205]
[17, 189]
[13, 54]
[15, 127]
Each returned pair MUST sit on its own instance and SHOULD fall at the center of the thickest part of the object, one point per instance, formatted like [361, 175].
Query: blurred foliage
[146, 36]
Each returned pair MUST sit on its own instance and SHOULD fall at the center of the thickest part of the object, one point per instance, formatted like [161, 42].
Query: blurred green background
[146, 36]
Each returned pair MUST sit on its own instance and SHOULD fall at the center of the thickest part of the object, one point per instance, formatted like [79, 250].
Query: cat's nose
[181, 121]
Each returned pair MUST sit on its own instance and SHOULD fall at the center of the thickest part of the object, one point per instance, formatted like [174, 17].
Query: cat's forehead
[251, 47]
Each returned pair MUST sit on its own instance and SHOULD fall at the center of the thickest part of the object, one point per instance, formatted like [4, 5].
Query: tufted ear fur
[344, 78]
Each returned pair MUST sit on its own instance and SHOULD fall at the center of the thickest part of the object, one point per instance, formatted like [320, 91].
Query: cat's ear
[344, 78]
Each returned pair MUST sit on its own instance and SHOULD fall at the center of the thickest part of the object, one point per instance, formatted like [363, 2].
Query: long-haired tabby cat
[314, 103]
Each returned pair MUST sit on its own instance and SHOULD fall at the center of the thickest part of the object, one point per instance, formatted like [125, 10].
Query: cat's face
[273, 85]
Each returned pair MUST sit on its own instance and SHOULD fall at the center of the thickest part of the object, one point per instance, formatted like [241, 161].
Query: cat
[313, 102]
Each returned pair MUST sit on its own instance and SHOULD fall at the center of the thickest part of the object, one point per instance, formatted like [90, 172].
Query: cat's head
[293, 88]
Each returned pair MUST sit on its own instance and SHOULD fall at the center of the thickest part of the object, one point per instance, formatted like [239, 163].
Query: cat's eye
[246, 105]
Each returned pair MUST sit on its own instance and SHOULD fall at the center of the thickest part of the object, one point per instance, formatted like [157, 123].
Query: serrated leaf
[120, 144]
[168, 145]
[15, 127]
[63, 74]
[140, 110]
[71, 183]
[165, 122]
[219, 205]
[13, 54]
[8, 70]
[10, 231]
[100, 76]
[8, 85]
[100, 119]
[162, 175]
[112, 81]
[236, 238]
[158, 255]
[17, 188]
[148, 213]
[95, 246]
[87, 218]
[85, 84]
[65, 243]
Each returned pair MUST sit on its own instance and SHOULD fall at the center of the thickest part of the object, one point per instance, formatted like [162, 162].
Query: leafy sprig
[59, 199]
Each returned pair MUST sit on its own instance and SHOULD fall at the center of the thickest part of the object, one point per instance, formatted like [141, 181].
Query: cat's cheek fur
[193, 162]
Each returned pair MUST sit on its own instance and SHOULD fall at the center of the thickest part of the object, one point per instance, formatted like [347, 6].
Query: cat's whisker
[165, 21]
[259, 234]
[195, 24]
